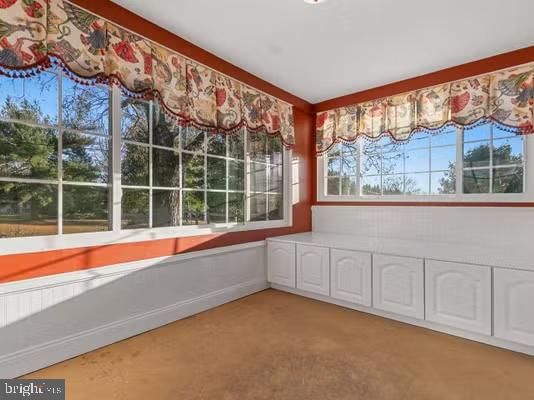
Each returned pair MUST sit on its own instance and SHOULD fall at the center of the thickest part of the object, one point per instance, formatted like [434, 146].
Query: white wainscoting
[479, 226]
[47, 320]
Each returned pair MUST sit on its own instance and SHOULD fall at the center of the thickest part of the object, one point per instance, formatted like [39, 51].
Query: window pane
[393, 184]
[134, 119]
[332, 186]
[27, 152]
[236, 146]
[236, 207]
[443, 158]
[348, 185]
[480, 132]
[258, 177]
[500, 132]
[134, 206]
[348, 164]
[334, 166]
[276, 208]
[193, 208]
[370, 158]
[476, 181]
[165, 129]
[85, 209]
[275, 179]
[257, 144]
[443, 182]
[165, 208]
[393, 162]
[165, 168]
[193, 140]
[446, 138]
[216, 173]
[417, 183]
[274, 150]
[86, 158]
[27, 209]
[134, 165]
[508, 180]
[258, 207]
[193, 171]
[419, 140]
[216, 207]
[217, 144]
[417, 160]
[236, 175]
[85, 108]
[33, 99]
[508, 151]
[370, 185]
[335, 151]
[476, 154]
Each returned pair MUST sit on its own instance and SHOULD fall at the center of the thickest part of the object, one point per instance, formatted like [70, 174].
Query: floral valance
[506, 97]
[36, 33]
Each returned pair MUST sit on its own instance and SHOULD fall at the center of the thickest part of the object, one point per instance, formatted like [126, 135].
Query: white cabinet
[514, 305]
[281, 263]
[313, 269]
[350, 276]
[458, 295]
[398, 285]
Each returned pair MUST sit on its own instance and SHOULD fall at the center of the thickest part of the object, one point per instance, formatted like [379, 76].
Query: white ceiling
[319, 52]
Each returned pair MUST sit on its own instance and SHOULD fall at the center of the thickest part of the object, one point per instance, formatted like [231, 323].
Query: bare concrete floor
[274, 345]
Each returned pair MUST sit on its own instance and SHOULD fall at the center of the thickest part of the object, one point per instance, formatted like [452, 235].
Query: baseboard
[34, 358]
[490, 340]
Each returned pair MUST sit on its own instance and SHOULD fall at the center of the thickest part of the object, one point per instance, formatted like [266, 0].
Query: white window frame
[526, 196]
[116, 234]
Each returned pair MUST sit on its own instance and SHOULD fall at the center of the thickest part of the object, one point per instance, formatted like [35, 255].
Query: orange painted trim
[127, 19]
[462, 71]
[424, 203]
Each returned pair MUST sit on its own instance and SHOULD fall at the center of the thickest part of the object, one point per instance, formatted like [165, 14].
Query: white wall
[49, 319]
[484, 226]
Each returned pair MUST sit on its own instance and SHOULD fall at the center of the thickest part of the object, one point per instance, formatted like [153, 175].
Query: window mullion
[116, 158]
[459, 169]
[60, 154]
[247, 176]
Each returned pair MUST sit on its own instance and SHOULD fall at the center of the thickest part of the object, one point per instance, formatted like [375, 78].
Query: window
[454, 163]
[58, 140]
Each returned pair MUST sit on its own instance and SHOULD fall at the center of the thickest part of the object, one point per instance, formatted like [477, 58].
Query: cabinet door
[313, 269]
[458, 295]
[281, 263]
[398, 285]
[514, 305]
[350, 276]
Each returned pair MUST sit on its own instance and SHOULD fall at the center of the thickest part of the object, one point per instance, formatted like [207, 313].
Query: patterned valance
[36, 33]
[506, 97]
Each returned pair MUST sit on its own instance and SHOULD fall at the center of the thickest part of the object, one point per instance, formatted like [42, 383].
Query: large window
[65, 149]
[477, 163]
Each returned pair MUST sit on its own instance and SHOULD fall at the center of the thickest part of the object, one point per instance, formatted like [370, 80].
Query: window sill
[504, 198]
[68, 241]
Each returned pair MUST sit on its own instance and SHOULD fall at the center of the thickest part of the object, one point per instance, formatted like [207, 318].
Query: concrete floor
[274, 345]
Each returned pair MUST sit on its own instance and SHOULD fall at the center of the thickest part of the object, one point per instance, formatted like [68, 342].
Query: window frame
[459, 196]
[116, 234]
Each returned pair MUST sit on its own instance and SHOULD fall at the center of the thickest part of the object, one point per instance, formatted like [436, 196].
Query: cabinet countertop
[502, 256]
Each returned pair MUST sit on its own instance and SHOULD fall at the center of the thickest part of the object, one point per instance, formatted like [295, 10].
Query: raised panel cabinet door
[398, 285]
[313, 269]
[514, 305]
[281, 263]
[458, 295]
[350, 276]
